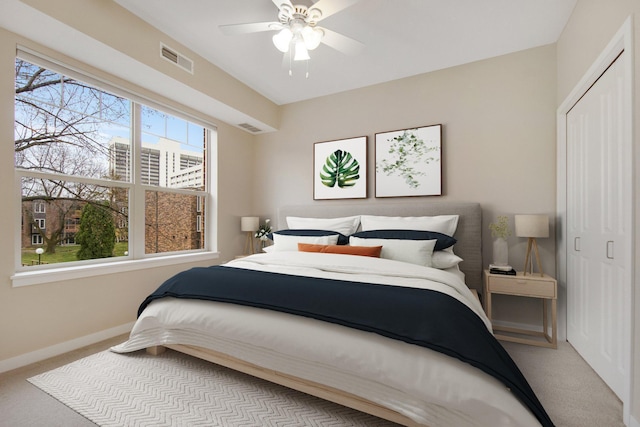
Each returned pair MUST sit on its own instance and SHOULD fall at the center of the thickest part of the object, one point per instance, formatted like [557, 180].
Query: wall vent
[249, 127]
[177, 58]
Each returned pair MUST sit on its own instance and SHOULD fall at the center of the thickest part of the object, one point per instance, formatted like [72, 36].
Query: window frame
[40, 207]
[136, 257]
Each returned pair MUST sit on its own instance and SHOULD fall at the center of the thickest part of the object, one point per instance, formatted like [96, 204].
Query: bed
[301, 318]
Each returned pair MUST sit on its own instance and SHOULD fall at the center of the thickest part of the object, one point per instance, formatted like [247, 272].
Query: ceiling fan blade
[341, 43]
[255, 27]
[329, 7]
[279, 3]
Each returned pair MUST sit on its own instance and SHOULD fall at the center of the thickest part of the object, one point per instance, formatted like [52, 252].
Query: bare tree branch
[58, 128]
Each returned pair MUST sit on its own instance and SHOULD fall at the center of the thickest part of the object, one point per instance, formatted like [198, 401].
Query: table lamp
[532, 227]
[250, 225]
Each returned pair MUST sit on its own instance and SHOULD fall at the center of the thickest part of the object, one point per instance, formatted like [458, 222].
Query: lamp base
[249, 244]
[528, 260]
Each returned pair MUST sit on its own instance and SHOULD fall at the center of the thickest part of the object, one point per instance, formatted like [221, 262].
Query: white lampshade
[249, 223]
[312, 37]
[301, 53]
[532, 225]
[282, 40]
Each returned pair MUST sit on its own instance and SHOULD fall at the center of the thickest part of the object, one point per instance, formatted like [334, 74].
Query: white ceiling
[401, 37]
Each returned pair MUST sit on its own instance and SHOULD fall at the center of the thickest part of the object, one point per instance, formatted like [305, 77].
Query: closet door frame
[622, 41]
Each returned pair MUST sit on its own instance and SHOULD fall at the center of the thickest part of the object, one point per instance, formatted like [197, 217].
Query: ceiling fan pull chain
[290, 64]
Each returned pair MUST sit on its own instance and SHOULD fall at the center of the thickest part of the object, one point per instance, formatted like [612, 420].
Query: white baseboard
[64, 347]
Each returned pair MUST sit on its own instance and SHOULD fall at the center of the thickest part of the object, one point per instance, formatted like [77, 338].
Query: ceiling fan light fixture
[297, 33]
[282, 40]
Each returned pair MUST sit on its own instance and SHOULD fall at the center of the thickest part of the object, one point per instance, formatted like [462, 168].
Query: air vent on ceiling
[249, 127]
[177, 58]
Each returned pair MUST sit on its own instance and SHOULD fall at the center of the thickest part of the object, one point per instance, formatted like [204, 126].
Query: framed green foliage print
[340, 169]
[408, 162]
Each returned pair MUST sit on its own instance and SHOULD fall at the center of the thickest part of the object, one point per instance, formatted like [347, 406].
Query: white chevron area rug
[173, 389]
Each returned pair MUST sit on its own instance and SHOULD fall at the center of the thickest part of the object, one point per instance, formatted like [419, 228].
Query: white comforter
[429, 387]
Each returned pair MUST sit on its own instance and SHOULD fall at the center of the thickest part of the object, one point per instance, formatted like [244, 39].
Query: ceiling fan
[297, 29]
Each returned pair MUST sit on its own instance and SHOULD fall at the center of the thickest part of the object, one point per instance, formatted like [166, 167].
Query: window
[39, 207]
[89, 160]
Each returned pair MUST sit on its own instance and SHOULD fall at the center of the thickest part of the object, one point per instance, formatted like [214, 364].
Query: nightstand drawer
[520, 285]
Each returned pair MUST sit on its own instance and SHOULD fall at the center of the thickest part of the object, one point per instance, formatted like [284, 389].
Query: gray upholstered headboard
[468, 234]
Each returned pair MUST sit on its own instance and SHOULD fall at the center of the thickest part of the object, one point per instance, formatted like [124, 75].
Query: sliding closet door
[599, 227]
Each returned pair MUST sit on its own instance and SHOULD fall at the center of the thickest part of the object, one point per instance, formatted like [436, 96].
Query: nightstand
[531, 286]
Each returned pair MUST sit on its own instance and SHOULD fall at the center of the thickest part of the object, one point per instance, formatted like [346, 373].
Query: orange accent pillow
[372, 251]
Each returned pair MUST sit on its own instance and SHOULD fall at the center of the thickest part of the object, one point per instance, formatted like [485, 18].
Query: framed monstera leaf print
[409, 162]
[340, 169]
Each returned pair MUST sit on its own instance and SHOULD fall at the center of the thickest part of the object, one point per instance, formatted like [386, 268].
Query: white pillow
[444, 259]
[413, 251]
[445, 224]
[346, 225]
[290, 243]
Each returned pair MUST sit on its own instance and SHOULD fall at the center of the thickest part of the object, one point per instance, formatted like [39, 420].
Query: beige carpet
[570, 391]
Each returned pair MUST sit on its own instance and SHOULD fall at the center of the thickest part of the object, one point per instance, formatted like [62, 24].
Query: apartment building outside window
[39, 207]
[78, 144]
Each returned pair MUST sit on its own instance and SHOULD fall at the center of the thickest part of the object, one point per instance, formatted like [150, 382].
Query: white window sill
[27, 278]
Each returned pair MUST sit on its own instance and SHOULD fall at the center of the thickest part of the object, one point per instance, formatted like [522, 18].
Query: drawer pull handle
[576, 244]
[610, 249]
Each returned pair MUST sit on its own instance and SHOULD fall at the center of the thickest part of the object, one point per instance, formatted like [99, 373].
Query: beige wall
[592, 25]
[33, 318]
[498, 117]
[590, 28]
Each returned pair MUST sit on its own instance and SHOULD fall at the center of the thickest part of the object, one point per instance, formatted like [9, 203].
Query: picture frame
[408, 162]
[337, 175]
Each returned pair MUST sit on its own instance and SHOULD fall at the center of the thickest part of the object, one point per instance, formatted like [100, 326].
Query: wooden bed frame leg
[156, 350]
